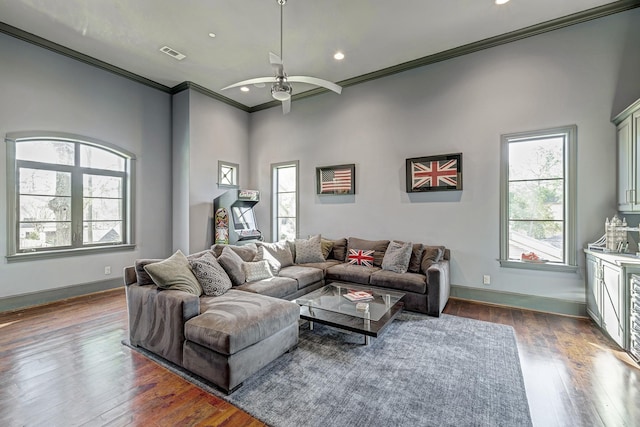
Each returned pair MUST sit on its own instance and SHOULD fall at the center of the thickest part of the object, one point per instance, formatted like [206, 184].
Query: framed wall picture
[340, 179]
[434, 173]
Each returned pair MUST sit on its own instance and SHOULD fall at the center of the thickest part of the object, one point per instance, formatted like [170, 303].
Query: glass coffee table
[329, 306]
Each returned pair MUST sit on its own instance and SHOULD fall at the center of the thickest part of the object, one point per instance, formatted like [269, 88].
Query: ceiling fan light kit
[281, 88]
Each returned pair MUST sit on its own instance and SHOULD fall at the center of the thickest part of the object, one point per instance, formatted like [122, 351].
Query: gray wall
[42, 90]
[578, 75]
[205, 131]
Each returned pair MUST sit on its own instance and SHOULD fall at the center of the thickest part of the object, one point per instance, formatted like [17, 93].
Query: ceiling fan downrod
[281, 3]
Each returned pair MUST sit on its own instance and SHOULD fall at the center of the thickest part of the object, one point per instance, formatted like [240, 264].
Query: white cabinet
[628, 146]
[607, 282]
[594, 289]
[612, 307]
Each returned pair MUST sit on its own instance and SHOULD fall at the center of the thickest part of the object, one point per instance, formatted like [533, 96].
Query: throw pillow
[339, 250]
[264, 255]
[232, 264]
[280, 251]
[309, 250]
[430, 255]
[142, 277]
[210, 275]
[416, 257]
[397, 257]
[360, 257]
[174, 273]
[378, 246]
[246, 252]
[326, 246]
[258, 270]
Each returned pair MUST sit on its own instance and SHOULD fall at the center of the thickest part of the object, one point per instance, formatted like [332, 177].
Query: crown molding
[544, 27]
[208, 92]
[62, 50]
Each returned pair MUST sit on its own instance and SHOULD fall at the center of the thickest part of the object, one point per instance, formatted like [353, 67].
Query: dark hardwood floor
[63, 364]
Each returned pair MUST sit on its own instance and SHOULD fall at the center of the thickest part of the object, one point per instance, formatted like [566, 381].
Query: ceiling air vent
[173, 53]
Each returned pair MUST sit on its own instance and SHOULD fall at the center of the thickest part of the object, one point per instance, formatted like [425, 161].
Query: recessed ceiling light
[212, 35]
[244, 89]
[339, 56]
[502, 1]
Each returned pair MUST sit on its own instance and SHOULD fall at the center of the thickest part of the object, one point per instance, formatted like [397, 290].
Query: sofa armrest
[438, 287]
[157, 318]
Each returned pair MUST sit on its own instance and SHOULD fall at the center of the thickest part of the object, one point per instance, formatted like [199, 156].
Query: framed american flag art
[340, 179]
[434, 173]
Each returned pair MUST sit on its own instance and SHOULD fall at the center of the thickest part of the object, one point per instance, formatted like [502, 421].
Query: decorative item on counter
[616, 232]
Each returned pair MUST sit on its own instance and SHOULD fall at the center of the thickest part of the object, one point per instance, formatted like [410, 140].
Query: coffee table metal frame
[328, 306]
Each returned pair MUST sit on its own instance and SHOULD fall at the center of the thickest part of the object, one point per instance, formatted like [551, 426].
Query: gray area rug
[422, 371]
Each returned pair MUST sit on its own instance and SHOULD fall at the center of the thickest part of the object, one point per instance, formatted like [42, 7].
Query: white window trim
[570, 202]
[274, 201]
[12, 214]
[236, 168]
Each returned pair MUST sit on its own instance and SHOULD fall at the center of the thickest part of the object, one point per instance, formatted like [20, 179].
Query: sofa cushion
[264, 255]
[360, 257]
[397, 257]
[409, 282]
[430, 255]
[322, 265]
[309, 250]
[350, 273]
[232, 264]
[257, 270]
[142, 277]
[416, 258]
[339, 250]
[246, 252]
[304, 275]
[277, 287]
[237, 319]
[174, 273]
[280, 251]
[210, 274]
[378, 246]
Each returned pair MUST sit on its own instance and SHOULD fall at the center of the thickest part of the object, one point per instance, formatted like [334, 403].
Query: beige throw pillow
[258, 270]
[174, 273]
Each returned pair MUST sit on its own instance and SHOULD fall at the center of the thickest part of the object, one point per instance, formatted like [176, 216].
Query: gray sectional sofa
[247, 320]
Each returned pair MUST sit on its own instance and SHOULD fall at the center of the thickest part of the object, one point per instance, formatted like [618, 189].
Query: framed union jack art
[434, 173]
[339, 179]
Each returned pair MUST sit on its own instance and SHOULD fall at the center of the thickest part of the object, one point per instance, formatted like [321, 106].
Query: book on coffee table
[358, 296]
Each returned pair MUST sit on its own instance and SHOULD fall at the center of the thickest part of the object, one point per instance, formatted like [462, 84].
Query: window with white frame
[228, 174]
[284, 182]
[66, 193]
[538, 199]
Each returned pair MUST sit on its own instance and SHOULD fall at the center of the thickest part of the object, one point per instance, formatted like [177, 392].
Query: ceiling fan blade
[277, 64]
[274, 59]
[286, 106]
[252, 82]
[317, 82]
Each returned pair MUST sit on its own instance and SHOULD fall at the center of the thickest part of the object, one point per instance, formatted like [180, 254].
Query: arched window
[68, 194]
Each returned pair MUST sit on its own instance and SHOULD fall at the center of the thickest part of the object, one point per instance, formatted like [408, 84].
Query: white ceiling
[373, 34]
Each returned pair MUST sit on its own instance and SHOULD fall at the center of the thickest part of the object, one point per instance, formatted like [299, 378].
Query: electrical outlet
[107, 269]
[486, 279]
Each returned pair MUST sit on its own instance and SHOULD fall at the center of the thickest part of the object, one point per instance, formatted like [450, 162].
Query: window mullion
[76, 208]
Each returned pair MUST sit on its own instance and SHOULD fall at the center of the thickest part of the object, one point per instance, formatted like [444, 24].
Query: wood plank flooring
[63, 364]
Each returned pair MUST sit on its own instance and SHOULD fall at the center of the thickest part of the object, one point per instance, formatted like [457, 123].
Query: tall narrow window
[538, 199]
[67, 193]
[284, 179]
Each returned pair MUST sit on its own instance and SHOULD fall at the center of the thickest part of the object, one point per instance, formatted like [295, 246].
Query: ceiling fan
[281, 88]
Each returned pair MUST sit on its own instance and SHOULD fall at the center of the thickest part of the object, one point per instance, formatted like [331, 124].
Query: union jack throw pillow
[360, 257]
